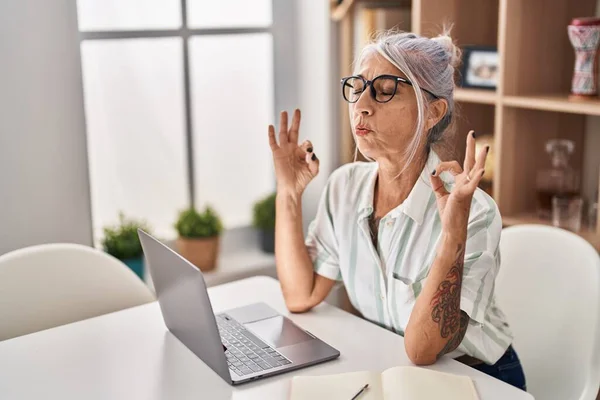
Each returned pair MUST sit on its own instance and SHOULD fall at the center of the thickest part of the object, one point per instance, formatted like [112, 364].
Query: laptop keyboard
[246, 354]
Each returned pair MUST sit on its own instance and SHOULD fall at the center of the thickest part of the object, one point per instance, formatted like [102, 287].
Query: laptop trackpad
[278, 331]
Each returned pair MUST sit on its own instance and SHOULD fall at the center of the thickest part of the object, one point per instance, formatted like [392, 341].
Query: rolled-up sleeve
[482, 261]
[321, 240]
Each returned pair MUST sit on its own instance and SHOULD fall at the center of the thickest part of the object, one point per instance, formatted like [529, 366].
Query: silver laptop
[240, 345]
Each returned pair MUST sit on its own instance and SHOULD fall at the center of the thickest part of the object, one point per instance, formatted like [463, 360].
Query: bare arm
[295, 167]
[437, 325]
[302, 287]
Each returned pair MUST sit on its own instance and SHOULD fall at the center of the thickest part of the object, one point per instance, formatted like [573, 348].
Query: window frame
[283, 57]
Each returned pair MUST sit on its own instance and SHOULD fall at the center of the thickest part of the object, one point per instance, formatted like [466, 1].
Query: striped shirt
[383, 283]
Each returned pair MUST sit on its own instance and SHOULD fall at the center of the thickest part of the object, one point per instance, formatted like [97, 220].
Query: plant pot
[136, 264]
[267, 240]
[202, 252]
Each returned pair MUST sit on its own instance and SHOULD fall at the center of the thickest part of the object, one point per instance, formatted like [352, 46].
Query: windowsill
[240, 257]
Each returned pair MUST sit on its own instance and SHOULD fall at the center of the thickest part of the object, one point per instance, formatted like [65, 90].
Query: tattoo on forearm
[445, 304]
[454, 342]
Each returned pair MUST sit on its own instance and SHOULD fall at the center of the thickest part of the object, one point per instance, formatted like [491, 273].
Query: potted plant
[199, 235]
[264, 220]
[122, 241]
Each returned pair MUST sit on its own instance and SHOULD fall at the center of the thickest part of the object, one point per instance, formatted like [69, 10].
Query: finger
[470, 153]
[293, 134]
[481, 156]
[475, 178]
[272, 140]
[451, 166]
[283, 128]
[305, 147]
[313, 163]
[438, 186]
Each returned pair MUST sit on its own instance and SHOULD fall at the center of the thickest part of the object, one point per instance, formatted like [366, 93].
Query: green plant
[264, 213]
[122, 240]
[192, 224]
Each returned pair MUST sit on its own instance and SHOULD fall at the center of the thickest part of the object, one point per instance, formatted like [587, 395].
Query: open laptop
[240, 345]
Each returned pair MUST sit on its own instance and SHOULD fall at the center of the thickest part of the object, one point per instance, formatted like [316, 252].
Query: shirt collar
[365, 202]
[416, 203]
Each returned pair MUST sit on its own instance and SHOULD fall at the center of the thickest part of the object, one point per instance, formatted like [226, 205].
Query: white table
[131, 355]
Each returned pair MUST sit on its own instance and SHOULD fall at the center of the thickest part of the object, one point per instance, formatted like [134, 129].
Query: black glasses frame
[369, 83]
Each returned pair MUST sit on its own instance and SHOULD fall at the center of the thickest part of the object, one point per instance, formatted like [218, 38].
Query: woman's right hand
[295, 166]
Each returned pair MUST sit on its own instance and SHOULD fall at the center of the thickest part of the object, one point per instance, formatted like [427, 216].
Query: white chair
[549, 288]
[54, 284]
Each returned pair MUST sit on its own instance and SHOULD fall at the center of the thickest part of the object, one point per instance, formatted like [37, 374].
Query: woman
[413, 239]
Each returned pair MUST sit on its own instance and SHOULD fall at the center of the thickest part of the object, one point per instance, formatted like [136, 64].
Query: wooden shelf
[479, 96]
[529, 218]
[338, 11]
[557, 102]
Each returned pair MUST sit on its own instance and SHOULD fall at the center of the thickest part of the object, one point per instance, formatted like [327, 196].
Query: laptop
[240, 345]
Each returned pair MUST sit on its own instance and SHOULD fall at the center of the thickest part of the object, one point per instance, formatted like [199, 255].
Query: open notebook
[398, 383]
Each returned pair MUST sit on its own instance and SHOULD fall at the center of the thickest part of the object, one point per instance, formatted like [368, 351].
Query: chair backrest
[54, 284]
[549, 288]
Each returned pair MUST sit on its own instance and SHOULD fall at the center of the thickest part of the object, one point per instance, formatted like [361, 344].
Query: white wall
[44, 188]
[285, 44]
[315, 94]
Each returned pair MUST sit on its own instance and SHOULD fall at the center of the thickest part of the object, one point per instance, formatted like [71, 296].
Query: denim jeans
[508, 369]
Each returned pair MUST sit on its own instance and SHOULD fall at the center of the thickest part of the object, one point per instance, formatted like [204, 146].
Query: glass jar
[567, 212]
[560, 180]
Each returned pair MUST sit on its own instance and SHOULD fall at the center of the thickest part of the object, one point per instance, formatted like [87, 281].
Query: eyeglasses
[383, 87]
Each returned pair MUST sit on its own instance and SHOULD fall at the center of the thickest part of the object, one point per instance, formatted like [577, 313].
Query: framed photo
[480, 67]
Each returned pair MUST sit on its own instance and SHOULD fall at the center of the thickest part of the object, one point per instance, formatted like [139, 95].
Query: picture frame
[480, 67]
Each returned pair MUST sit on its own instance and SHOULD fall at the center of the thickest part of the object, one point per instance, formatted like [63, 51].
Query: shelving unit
[555, 103]
[478, 96]
[531, 103]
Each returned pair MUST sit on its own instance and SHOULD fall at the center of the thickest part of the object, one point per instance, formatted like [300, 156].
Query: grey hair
[429, 63]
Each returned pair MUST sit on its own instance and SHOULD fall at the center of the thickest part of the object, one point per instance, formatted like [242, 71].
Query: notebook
[398, 383]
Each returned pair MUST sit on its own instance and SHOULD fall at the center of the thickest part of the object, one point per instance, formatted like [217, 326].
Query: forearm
[437, 325]
[294, 266]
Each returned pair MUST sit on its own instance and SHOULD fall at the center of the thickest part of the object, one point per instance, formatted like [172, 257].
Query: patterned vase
[584, 34]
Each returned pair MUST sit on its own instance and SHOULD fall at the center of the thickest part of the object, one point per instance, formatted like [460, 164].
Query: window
[178, 95]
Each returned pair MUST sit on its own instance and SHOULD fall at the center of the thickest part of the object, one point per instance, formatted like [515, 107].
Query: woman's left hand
[454, 207]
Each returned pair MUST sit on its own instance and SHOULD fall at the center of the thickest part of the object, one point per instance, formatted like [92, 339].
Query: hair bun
[448, 45]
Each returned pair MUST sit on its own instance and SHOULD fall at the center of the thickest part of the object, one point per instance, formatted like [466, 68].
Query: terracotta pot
[202, 252]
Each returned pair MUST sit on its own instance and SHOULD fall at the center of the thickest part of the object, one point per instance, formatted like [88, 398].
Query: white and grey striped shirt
[384, 283]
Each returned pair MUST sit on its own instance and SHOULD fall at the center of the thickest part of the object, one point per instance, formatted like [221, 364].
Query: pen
[359, 392]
